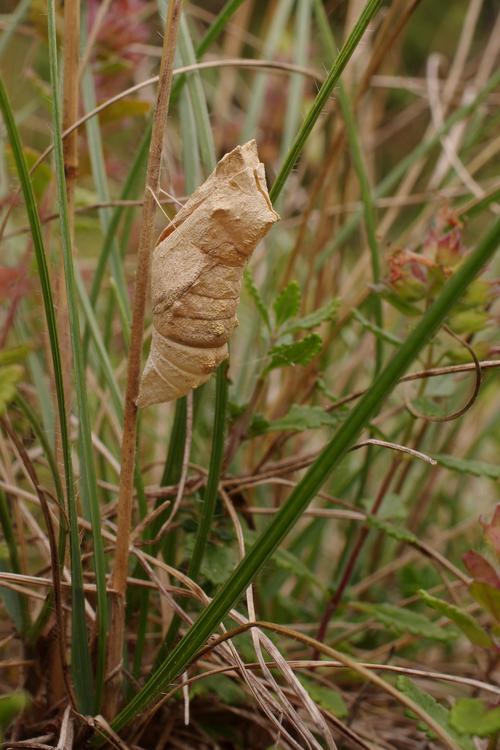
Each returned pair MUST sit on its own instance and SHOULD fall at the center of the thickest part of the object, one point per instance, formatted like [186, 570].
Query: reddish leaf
[480, 569]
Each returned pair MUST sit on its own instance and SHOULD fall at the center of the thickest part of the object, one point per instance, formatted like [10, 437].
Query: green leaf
[301, 417]
[427, 407]
[222, 686]
[217, 563]
[287, 303]
[376, 330]
[465, 466]
[9, 377]
[471, 716]
[467, 624]
[487, 596]
[255, 295]
[403, 621]
[436, 711]
[10, 706]
[326, 697]
[314, 319]
[298, 353]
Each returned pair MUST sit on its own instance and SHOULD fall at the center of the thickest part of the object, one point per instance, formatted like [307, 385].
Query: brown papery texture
[196, 274]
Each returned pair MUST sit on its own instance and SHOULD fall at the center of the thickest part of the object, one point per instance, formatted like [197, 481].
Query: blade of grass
[88, 479]
[297, 83]
[209, 499]
[312, 481]
[198, 99]
[324, 94]
[81, 664]
[277, 24]
[97, 161]
[211, 34]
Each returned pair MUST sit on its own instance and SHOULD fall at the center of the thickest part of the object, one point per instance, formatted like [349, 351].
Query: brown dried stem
[128, 447]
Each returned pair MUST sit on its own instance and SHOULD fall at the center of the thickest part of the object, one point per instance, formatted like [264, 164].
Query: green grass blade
[81, 665]
[276, 28]
[297, 82]
[324, 93]
[97, 161]
[212, 486]
[129, 191]
[88, 479]
[317, 474]
[198, 99]
[211, 34]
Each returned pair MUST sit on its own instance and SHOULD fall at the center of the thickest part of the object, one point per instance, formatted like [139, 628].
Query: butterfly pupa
[196, 272]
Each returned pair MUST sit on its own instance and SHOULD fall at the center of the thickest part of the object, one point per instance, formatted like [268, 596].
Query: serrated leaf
[314, 319]
[255, 295]
[403, 621]
[218, 562]
[326, 697]
[298, 353]
[465, 466]
[436, 711]
[396, 532]
[472, 716]
[299, 418]
[9, 377]
[465, 622]
[287, 303]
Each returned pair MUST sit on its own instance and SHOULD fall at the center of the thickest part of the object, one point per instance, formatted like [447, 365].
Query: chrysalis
[196, 273]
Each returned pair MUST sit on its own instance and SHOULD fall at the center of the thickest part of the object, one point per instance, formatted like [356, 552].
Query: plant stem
[128, 447]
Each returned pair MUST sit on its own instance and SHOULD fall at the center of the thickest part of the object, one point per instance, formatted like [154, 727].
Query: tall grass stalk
[88, 478]
[128, 447]
[81, 665]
